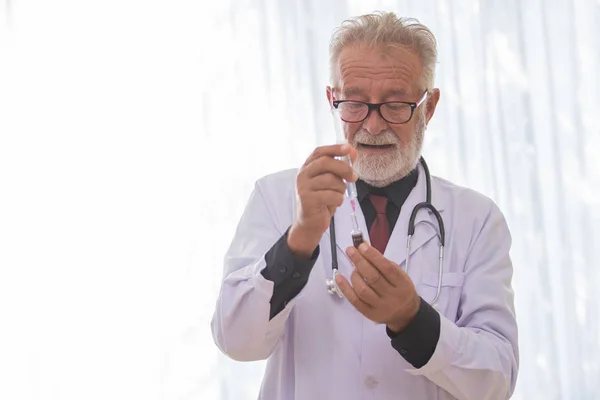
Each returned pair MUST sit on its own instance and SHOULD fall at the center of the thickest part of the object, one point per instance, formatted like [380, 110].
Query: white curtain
[131, 133]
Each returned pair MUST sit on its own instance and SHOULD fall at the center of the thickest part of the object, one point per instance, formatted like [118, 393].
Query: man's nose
[374, 124]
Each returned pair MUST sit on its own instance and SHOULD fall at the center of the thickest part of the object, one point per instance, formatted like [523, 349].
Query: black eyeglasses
[393, 112]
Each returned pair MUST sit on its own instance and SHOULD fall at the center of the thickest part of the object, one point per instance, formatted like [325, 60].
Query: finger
[388, 269]
[322, 198]
[351, 296]
[335, 150]
[327, 164]
[368, 272]
[328, 181]
[363, 290]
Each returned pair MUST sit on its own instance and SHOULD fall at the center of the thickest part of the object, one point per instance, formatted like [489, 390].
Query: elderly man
[420, 332]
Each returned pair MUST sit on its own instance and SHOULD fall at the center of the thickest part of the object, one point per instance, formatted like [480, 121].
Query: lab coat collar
[425, 222]
[397, 192]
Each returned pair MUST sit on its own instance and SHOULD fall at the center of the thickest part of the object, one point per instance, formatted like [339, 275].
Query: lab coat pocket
[450, 291]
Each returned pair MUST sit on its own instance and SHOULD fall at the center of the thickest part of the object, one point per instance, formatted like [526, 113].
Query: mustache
[364, 137]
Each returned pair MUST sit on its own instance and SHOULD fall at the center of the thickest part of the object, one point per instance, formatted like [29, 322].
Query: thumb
[353, 155]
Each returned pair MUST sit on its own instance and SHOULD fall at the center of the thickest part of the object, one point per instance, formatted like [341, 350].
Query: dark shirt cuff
[287, 271]
[418, 341]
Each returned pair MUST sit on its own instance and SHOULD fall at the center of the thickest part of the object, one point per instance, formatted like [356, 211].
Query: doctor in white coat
[383, 340]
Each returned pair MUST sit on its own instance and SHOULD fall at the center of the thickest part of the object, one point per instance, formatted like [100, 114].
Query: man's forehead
[397, 68]
[390, 90]
[388, 56]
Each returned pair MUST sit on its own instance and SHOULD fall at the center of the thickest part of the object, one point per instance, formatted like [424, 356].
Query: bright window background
[131, 133]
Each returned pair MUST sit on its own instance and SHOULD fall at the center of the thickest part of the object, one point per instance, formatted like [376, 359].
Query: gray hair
[386, 29]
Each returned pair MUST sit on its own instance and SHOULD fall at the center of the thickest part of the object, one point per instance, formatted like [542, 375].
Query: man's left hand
[380, 290]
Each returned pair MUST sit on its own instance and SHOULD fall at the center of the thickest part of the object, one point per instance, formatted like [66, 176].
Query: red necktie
[380, 229]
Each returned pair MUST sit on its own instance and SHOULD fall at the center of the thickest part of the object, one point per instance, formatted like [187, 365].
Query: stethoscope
[332, 287]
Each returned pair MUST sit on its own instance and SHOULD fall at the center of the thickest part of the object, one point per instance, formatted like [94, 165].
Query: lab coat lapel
[426, 227]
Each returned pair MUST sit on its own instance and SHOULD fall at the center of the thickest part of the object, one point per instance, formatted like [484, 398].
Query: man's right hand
[320, 191]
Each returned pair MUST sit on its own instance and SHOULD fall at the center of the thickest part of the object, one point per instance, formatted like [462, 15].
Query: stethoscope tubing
[332, 286]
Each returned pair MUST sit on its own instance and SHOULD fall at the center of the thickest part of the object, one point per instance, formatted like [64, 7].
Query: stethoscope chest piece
[332, 286]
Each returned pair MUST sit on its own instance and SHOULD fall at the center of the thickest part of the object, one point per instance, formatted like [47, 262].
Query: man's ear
[432, 102]
[330, 97]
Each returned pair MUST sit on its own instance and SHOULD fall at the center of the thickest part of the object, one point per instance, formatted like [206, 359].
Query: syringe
[352, 193]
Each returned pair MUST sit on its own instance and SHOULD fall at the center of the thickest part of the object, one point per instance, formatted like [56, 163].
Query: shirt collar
[397, 192]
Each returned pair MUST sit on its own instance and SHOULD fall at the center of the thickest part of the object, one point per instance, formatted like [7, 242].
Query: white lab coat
[319, 347]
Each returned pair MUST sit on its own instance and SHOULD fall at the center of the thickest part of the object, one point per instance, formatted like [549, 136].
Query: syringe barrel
[341, 139]
[351, 186]
[351, 189]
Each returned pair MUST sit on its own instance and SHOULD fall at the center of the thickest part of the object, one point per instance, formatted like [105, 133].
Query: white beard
[383, 169]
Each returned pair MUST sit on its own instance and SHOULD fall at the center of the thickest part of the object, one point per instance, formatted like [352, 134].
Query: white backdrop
[131, 133]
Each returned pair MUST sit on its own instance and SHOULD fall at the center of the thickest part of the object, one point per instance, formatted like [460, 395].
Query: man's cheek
[350, 131]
